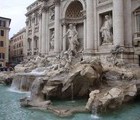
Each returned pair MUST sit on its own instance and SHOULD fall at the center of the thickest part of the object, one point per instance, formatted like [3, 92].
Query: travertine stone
[89, 18]
[43, 32]
[57, 28]
[90, 27]
[118, 22]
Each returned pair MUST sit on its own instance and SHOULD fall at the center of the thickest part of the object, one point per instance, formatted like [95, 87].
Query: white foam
[18, 91]
[35, 72]
[95, 117]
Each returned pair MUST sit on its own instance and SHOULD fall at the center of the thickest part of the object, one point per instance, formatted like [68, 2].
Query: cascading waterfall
[23, 81]
[16, 83]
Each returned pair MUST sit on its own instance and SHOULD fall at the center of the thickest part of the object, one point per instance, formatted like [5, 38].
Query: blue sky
[15, 9]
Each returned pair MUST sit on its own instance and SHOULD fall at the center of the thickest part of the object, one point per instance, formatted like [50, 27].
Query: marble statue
[106, 33]
[68, 60]
[52, 41]
[72, 35]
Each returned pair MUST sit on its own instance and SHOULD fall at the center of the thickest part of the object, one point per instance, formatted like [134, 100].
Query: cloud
[15, 9]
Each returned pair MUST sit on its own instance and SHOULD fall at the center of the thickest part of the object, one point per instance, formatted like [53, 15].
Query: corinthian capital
[56, 2]
[44, 7]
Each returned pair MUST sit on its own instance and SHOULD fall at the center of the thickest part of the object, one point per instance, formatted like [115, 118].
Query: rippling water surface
[11, 110]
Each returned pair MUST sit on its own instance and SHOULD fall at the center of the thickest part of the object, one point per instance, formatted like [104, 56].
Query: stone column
[95, 25]
[128, 22]
[43, 44]
[64, 39]
[47, 31]
[57, 27]
[118, 22]
[90, 26]
[85, 30]
[26, 36]
[33, 33]
[40, 31]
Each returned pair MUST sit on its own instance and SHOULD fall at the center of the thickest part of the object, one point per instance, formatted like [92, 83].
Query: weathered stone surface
[111, 99]
[20, 68]
[114, 93]
[26, 102]
[36, 90]
[6, 77]
[92, 96]
[77, 81]
[83, 77]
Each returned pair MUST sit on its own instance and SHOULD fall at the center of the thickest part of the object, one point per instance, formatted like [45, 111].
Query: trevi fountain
[74, 84]
[71, 87]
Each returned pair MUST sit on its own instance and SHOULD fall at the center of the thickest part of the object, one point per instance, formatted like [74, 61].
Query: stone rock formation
[112, 98]
[59, 83]
[6, 77]
[68, 76]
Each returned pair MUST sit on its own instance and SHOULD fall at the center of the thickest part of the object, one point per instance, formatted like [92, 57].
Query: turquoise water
[11, 110]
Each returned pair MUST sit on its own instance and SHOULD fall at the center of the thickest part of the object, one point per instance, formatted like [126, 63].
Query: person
[72, 35]
[105, 30]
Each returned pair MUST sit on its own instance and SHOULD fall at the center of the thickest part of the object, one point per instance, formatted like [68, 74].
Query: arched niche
[73, 14]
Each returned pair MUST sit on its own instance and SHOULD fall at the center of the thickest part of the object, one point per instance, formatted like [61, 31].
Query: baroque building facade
[17, 47]
[4, 40]
[100, 26]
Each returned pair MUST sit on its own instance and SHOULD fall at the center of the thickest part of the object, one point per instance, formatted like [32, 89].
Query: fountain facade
[82, 59]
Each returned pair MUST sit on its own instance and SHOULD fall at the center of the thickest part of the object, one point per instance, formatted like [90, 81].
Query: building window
[2, 23]
[2, 56]
[137, 25]
[2, 32]
[21, 52]
[30, 22]
[1, 44]
[138, 22]
[36, 19]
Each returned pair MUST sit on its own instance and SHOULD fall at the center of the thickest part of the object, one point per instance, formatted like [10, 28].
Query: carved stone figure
[114, 58]
[52, 14]
[72, 35]
[52, 41]
[106, 33]
[68, 60]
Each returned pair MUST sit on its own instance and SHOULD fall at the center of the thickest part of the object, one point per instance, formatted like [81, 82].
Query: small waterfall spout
[72, 94]
[16, 84]
[94, 115]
